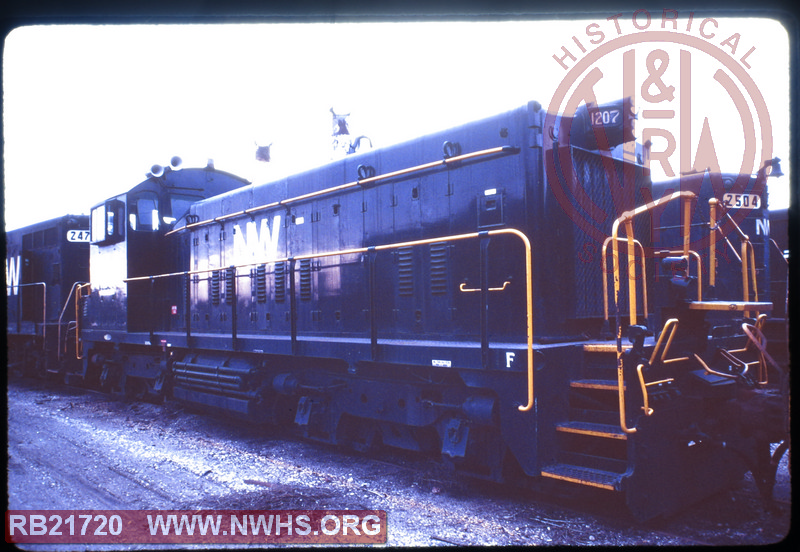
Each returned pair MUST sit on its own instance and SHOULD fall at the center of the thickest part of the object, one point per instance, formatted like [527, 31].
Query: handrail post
[234, 307]
[78, 296]
[712, 243]
[484, 316]
[631, 273]
[187, 286]
[687, 223]
[699, 262]
[292, 306]
[44, 316]
[620, 359]
[645, 401]
[605, 278]
[61, 317]
[152, 310]
[604, 255]
[373, 316]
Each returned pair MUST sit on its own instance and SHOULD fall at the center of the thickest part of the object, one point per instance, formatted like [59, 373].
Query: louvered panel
[305, 279]
[261, 283]
[405, 271]
[280, 282]
[215, 287]
[438, 268]
[230, 285]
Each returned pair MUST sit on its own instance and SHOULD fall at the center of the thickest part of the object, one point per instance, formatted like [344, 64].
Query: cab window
[143, 214]
[180, 207]
[107, 222]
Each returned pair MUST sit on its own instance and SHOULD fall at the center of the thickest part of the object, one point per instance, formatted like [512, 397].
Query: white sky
[88, 109]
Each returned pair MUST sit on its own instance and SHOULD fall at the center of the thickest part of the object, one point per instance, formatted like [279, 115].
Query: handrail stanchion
[631, 273]
[373, 304]
[61, 317]
[712, 242]
[292, 305]
[78, 296]
[646, 406]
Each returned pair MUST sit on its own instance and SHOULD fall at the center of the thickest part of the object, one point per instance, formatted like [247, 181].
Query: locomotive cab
[129, 240]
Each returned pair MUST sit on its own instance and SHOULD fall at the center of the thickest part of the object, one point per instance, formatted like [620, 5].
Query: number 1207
[605, 117]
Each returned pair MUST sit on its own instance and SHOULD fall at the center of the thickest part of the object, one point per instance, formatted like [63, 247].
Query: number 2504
[741, 201]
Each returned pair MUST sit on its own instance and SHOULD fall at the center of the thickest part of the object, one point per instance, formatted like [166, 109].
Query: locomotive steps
[592, 448]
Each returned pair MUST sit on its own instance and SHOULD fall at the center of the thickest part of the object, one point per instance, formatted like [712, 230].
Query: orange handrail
[72, 290]
[627, 219]
[747, 258]
[605, 272]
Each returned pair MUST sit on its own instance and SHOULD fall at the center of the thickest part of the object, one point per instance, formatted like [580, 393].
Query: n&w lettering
[256, 245]
[12, 275]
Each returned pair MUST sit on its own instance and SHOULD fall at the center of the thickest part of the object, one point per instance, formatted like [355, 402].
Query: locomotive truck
[513, 296]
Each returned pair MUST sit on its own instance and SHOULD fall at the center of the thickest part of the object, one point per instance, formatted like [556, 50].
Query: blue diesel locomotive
[513, 296]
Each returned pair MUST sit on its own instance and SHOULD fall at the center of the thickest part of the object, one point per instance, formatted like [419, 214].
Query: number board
[78, 236]
[741, 201]
[605, 117]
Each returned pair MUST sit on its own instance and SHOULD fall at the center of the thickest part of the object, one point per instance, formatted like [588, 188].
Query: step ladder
[592, 447]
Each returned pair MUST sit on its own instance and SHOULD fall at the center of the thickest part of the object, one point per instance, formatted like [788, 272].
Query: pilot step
[585, 476]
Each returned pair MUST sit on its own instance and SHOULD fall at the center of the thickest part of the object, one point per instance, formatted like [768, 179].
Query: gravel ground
[69, 449]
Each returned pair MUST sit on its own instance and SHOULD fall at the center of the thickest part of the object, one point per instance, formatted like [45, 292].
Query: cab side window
[107, 222]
